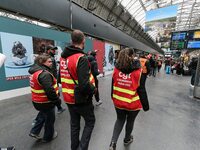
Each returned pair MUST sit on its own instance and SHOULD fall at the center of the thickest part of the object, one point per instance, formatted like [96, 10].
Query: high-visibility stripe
[124, 90]
[126, 99]
[37, 91]
[41, 102]
[68, 81]
[55, 85]
[40, 91]
[69, 91]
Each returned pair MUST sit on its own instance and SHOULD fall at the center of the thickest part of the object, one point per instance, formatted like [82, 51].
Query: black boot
[112, 146]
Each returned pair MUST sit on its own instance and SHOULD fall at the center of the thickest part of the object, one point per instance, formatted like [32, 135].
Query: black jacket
[54, 66]
[141, 89]
[94, 66]
[83, 70]
[46, 80]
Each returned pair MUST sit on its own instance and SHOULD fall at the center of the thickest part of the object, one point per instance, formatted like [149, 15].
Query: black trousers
[46, 118]
[76, 112]
[122, 117]
[97, 86]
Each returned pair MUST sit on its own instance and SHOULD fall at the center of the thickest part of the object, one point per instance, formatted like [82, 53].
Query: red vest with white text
[125, 90]
[38, 93]
[67, 82]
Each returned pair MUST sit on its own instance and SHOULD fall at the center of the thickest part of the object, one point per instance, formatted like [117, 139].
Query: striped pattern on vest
[124, 90]
[143, 62]
[66, 80]
[38, 93]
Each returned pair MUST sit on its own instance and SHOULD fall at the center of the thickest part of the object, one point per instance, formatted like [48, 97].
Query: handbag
[79, 97]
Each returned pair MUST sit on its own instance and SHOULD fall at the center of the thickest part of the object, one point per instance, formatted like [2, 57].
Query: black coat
[94, 66]
[83, 70]
[46, 80]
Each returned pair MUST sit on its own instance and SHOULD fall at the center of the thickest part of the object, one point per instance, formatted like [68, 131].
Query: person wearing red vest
[74, 67]
[145, 69]
[44, 91]
[127, 95]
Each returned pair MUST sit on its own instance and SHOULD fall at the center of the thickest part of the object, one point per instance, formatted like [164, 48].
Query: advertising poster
[61, 46]
[160, 23]
[18, 50]
[99, 47]
[109, 59]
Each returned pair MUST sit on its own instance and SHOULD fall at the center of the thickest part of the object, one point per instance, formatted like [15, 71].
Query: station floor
[173, 122]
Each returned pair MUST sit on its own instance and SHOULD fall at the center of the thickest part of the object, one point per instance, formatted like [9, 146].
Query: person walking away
[193, 67]
[74, 67]
[44, 97]
[51, 50]
[95, 73]
[127, 95]
[159, 65]
[145, 68]
[152, 67]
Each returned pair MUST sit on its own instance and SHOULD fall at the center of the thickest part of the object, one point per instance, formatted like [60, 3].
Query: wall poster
[18, 50]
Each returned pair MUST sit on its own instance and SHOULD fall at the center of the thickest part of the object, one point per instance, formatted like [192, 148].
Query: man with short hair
[95, 73]
[75, 70]
[44, 91]
[51, 50]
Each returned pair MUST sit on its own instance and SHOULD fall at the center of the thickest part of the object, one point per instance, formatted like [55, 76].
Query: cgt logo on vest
[124, 76]
[64, 63]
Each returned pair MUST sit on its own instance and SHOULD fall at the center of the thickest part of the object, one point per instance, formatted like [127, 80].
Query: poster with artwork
[99, 47]
[18, 50]
[109, 58]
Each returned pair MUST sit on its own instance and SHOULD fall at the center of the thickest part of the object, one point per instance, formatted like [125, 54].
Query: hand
[95, 90]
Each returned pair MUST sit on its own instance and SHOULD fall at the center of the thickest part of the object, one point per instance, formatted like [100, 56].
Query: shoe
[8, 148]
[127, 142]
[61, 110]
[99, 103]
[34, 121]
[54, 136]
[35, 136]
[112, 146]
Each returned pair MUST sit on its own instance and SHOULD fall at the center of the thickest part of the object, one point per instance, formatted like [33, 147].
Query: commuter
[2, 60]
[75, 72]
[145, 68]
[127, 94]
[51, 50]
[152, 66]
[44, 96]
[193, 67]
[95, 73]
[159, 62]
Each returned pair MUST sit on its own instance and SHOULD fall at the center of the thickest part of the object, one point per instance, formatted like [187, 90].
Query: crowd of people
[77, 74]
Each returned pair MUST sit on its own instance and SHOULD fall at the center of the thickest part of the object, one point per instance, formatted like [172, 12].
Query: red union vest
[143, 62]
[38, 93]
[67, 82]
[124, 90]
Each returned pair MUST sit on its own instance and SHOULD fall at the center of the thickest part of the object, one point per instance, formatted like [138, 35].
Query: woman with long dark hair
[128, 95]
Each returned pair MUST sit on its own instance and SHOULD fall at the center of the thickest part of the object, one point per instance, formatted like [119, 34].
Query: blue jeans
[46, 118]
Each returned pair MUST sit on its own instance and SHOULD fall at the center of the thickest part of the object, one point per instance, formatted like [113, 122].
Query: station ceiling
[129, 15]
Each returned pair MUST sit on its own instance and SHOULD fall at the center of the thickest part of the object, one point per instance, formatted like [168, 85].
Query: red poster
[100, 47]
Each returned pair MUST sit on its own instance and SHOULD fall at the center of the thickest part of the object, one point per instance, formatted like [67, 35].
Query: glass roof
[188, 13]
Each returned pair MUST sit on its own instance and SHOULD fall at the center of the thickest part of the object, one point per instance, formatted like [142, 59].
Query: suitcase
[168, 70]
